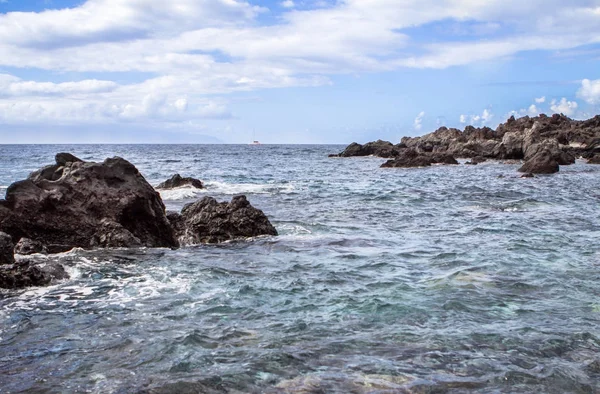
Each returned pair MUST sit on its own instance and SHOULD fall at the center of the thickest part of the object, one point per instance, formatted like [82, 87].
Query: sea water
[446, 279]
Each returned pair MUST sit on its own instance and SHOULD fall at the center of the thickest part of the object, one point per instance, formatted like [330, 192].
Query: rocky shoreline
[543, 142]
[74, 203]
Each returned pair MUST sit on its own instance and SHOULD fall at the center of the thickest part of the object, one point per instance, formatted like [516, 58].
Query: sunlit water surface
[444, 279]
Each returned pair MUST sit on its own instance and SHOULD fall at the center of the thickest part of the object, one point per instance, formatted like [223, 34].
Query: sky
[288, 71]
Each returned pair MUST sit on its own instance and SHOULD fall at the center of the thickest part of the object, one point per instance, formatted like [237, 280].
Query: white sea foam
[215, 187]
[180, 193]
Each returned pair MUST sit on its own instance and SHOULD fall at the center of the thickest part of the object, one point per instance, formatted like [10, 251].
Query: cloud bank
[189, 56]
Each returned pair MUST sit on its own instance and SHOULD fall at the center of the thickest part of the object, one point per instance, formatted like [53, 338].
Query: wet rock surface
[86, 204]
[26, 273]
[179, 181]
[209, 221]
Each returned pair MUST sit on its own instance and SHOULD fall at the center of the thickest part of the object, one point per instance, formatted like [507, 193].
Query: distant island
[543, 142]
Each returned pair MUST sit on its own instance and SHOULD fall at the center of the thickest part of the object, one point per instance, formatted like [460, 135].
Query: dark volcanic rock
[528, 175]
[63, 158]
[517, 139]
[178, 181]
[443, 158]
[377, 148]
[25, 274]
[410, 158]
[27, 246]
[85, 204]
[208, 221]
[541, 163]
[6, 249]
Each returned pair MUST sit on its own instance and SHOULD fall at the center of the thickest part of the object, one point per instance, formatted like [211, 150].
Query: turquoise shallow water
[443, 279]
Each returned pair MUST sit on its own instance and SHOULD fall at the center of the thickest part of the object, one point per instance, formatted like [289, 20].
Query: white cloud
[590, 91]
[13, 86]
[482, 119]
[419, 121]
[533, 110]
[563, 106]
[540, 100]
[195, 48]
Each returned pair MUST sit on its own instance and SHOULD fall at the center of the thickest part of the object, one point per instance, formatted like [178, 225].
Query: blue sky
[301, 71]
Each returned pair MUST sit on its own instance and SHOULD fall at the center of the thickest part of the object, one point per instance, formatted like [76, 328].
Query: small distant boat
[255, 142]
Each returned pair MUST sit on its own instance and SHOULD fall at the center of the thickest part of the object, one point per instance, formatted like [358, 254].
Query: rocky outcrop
[541, 163]
[178, 181]
[208, 221]
[560, 138]
[26, 273]
[377, 148]
[410, 158]
[16, 275]
[85, 204]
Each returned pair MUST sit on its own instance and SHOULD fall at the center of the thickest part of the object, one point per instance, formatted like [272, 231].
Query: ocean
[448, 279]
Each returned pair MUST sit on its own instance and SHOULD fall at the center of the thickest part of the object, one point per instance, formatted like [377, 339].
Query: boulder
[541, 163]
[86, 204]
[178, 181]
[27, 246]
[26, 273]
[6, 249]
[208, 221]
[443, 158]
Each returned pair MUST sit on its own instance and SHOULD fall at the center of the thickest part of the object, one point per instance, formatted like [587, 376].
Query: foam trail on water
[215, 187]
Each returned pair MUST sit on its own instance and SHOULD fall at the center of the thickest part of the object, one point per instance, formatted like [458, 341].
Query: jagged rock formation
[84, 204]
[178, 181]
[208, 221]
[557, 136]
[408, 158]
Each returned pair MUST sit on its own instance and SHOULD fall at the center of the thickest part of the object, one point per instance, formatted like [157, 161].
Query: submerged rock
[178, 181]
[6, 249]
[208, 221]
[26, 273]
[86, 204]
